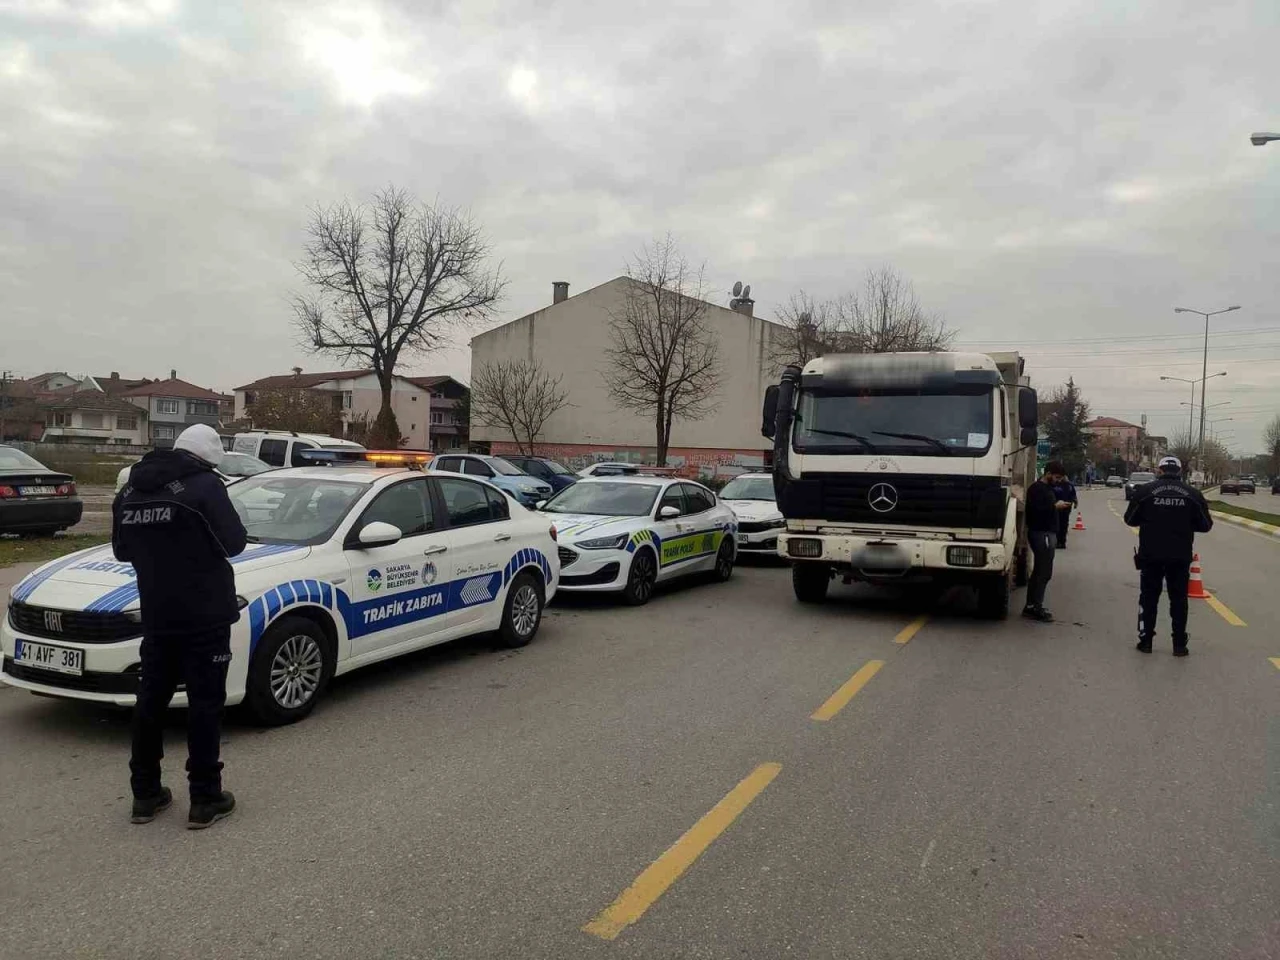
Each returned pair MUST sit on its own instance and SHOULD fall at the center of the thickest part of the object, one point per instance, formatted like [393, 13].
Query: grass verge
[39, 549]
[1234, 510]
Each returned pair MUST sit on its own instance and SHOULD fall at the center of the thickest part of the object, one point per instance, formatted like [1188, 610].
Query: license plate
[48, 657]
[37, 491]
[742, 538]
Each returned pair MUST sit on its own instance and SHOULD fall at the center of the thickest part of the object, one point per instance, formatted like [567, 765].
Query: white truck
[897, 466]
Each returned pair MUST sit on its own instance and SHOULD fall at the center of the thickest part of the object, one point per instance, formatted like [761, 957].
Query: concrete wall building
[570, 338]
[449, 427]
[92, 417]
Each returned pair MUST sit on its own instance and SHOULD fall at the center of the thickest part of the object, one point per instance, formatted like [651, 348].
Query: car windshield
[606, 499]
[503, 468]
[895, 421]
[298, 510]
[748, 488]
[558, 468]
[13, 459]
[1141, 477]
[242, 465]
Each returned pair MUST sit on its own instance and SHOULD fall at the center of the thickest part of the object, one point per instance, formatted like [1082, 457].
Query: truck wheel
[993, 597]
[810, 581]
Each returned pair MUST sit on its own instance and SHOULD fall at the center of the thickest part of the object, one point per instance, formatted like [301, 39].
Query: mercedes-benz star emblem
[882, 497]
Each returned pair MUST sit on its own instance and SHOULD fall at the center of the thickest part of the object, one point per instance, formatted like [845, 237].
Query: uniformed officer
[1168, 514]
[175, 523]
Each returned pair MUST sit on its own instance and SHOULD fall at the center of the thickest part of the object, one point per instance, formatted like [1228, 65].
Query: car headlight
[604, 543]
[780, 522]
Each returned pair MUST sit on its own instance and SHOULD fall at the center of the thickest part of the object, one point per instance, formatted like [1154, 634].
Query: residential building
[92, 417]
[449, 427]
[114, 385]
[173, 405]
[1120, 442]
[570, 338]
[48, 382]
[356, 396]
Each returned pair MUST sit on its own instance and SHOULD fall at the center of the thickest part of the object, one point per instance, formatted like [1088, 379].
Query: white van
[283, 448]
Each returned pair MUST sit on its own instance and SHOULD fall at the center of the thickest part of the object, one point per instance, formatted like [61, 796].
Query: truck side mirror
[1028, 437]
[1028, 416]
[769, 425]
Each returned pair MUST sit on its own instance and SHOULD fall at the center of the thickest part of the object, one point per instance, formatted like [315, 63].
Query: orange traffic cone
[1079, 521]
[1195, 587]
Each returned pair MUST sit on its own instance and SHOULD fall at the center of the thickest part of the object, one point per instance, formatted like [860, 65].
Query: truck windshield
[901, 422]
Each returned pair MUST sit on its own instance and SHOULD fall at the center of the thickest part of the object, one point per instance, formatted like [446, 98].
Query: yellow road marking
[680, 856]
[1275, 661]
[1120, 517]
[911, 629]
[835, 703]
[1224, 611]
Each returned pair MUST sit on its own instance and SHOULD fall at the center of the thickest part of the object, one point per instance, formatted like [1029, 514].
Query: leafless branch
[517, 396]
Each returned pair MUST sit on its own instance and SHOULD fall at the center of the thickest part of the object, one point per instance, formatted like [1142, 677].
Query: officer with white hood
[175, 523]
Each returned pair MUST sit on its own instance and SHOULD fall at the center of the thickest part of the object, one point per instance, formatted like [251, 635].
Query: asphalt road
[989, 790]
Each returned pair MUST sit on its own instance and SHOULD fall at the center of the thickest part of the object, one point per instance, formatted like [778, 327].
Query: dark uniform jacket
[175, 523]
[1168, 514]
[1042, 512]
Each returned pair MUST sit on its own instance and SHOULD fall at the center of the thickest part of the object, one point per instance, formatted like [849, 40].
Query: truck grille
[923, 500]
[74, 625]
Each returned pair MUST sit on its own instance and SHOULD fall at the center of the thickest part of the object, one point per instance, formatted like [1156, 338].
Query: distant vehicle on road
[33, 498]
[283, 448]
[556, 474]
[1238, 485]
[751, 498]
[506, 476]
[1135, 481]
[1114, 481]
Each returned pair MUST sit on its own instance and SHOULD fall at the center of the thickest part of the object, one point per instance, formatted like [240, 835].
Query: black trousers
[1043, 543]
[1156, 575]
[1064, 524]
[199, 660]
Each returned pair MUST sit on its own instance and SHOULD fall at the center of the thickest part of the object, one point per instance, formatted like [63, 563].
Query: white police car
[629, 533]
[346, 565]
[750, 496]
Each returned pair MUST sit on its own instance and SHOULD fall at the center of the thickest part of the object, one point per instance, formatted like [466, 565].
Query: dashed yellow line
[680, 856]
[911, 629]
[1224, 611]
[836, 702]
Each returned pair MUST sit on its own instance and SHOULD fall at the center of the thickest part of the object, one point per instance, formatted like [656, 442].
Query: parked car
[1237, 485]
[556, 474]
[627, 534]
[33, 498]
[231, 467]
[1135, 481]
[283, 448]
[752, 500]
[1114, 481]
[346, 566]
[526, 489]
[608, 469]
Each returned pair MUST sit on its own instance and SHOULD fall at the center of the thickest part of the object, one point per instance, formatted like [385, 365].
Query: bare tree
[390, 277]
[1271, 445]
[518, 396]
[663, 359]
[883, 315]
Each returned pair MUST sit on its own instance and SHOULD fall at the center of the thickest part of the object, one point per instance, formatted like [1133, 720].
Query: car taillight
[553, 534]
[67, 490]
[8, 492]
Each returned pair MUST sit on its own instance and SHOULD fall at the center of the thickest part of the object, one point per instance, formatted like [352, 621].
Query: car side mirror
[1028, 413]
[769, 423]
[1028, 437]
[668, 512]
[378, 534]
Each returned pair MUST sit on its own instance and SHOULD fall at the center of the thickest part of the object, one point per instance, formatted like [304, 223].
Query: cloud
[1042, 172]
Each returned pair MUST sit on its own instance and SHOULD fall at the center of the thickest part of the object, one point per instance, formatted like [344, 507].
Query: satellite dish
[737, 288]
[746, 292]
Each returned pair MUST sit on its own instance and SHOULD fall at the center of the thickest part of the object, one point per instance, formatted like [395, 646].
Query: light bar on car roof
[412, 459]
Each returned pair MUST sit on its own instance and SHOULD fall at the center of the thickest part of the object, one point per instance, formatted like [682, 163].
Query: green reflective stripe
[691, 545]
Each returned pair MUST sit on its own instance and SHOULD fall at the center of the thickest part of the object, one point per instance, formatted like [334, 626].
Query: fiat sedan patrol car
[627, 534]
[347, 564]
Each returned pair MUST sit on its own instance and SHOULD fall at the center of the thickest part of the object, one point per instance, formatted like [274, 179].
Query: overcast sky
[1043, 171]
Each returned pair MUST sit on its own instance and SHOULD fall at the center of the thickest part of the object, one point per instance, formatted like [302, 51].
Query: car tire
[993, 597]
[522, 614]
[289, 672]
[642, 577]
[810, 581]
[725, 558]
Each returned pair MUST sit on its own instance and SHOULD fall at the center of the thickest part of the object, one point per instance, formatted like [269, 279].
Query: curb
[1246, 522]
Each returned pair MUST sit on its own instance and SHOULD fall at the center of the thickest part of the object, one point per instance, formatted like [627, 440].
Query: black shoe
[1180, 651]
[205, 813]
[1037, 613]
[145, 810]
[1144, 646]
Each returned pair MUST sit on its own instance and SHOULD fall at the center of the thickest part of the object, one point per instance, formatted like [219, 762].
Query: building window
[413, 426]
[437, 396]
[91, 421]
[166, 406]
[249, 397]
[60, 420]
[201, 408]
[160, 431]
[414, 398]
[437, 418]
[126, 423]
[346, 399]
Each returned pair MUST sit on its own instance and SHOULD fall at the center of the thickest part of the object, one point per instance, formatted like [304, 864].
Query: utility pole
[4, 398]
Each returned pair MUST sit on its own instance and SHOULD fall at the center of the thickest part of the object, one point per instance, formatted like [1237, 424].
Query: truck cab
[901, 466]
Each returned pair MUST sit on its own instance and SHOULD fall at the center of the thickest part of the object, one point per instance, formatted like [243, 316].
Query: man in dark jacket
[1065, 491]
[175, 523]
[1043, 508]
[1168, 514]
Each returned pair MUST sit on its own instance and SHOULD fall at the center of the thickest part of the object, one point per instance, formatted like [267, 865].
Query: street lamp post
[1204, 371]
[1191, 412]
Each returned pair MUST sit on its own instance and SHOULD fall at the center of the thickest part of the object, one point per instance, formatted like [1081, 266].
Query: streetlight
[1191, 412]
[1261, 139]
[1204, 370]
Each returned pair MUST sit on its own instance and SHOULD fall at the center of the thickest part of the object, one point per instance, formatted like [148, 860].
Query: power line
[1138, 338]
